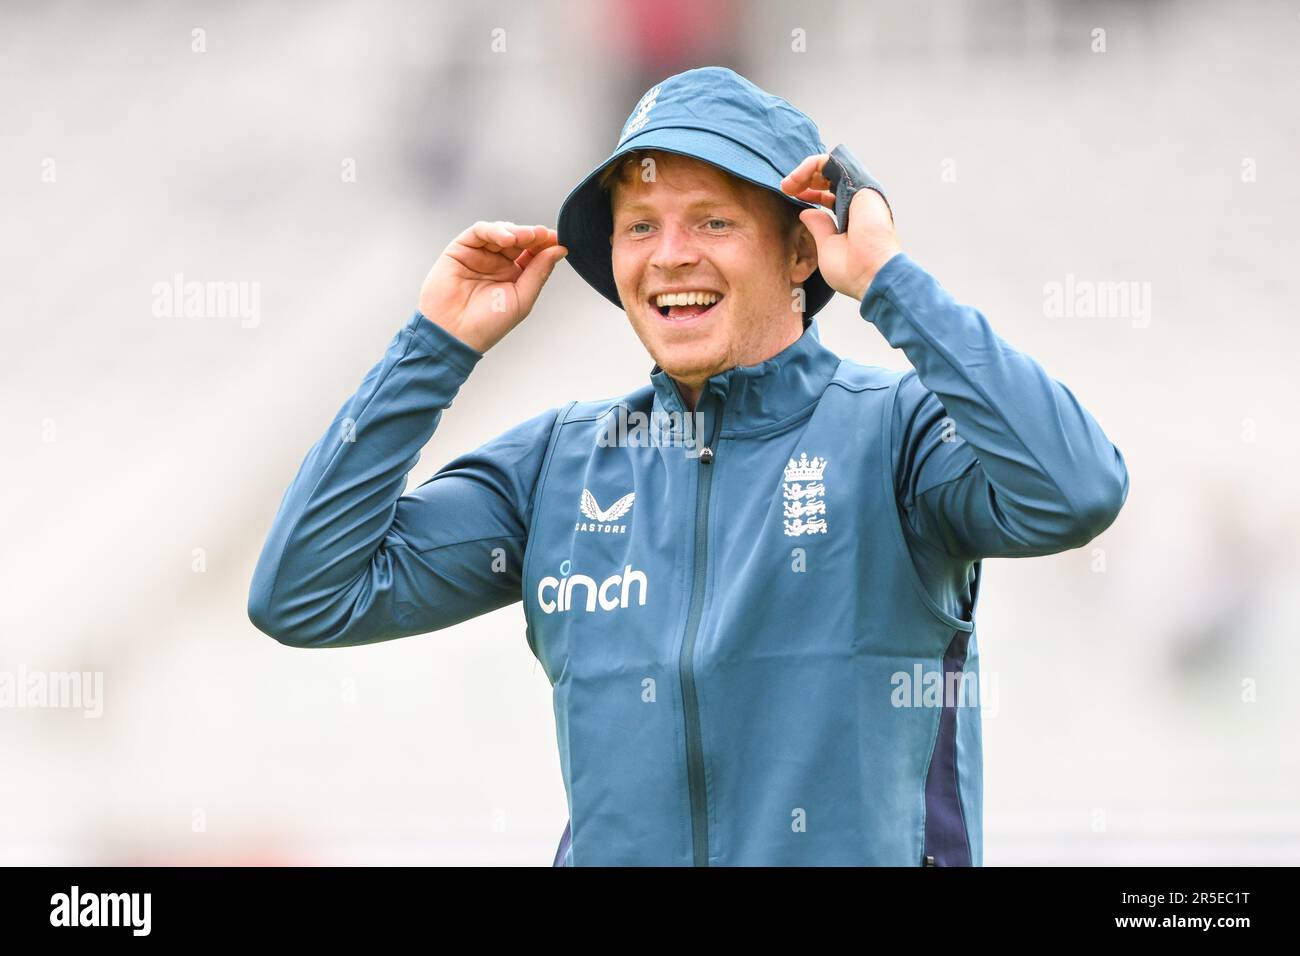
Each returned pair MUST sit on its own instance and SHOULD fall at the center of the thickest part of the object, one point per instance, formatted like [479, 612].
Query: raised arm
[350, 559]
[994, 458]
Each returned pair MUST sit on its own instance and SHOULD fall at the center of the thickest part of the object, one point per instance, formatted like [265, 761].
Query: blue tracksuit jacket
[761, 645]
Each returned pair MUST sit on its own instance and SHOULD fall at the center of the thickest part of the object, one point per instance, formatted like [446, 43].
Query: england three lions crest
[805, 496]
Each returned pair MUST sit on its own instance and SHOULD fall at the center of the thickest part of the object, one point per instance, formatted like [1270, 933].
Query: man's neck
[690, 391]
[690, 394]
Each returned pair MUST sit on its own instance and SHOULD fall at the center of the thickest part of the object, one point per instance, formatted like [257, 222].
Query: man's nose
[674, 248]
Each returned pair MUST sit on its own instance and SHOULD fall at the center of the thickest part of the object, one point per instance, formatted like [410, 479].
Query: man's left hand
[848, 261]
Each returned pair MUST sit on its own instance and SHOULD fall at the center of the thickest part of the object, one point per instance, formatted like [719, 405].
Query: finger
[481, 262]
[485, 235]
[496, 236]
[807, 175]
[802, 174]
[529, 238]
[543, 237]
[539, 269]
[875, 198]
[819, 224]
[521, 237]
[820, 197]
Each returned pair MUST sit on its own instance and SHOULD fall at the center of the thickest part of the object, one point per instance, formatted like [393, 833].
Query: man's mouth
[680, 306]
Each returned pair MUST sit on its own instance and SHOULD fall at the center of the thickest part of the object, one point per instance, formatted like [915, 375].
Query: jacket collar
[756, 396]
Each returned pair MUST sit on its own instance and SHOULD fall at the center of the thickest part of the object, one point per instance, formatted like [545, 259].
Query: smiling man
[752, 635]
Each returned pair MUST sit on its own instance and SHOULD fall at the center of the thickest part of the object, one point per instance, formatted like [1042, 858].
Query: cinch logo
[562, 589]
[588, 506]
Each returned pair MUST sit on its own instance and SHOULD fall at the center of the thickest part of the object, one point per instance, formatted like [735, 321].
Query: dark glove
[847, 175]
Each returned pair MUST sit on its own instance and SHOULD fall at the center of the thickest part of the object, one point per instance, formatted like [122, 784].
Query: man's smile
[685, 306]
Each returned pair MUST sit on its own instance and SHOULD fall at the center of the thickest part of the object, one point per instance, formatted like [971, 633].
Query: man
[738, 619]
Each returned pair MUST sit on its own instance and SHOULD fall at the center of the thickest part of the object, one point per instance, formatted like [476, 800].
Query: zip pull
[707, 453]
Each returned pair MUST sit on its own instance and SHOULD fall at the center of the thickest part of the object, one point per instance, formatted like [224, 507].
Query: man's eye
[716, 224]
[636, 227]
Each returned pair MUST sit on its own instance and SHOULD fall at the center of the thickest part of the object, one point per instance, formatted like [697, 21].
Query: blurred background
[1143, 707]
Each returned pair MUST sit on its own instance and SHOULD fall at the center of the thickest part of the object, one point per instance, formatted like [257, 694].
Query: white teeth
[686, 298]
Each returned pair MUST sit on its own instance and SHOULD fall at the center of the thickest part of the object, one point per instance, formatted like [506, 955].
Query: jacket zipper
[690, 699]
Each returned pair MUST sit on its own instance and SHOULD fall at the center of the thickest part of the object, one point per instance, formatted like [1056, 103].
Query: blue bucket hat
[711, 114]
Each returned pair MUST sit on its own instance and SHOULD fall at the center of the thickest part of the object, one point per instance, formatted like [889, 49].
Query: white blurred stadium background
[1120, 735]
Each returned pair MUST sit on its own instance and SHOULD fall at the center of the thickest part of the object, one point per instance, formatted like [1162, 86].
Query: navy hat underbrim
[586, 220]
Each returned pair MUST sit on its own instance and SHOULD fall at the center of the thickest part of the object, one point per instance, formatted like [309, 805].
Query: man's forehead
[686, 199]
[680, 180]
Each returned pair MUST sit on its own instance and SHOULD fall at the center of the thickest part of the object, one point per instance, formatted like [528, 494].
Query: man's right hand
[487, 280]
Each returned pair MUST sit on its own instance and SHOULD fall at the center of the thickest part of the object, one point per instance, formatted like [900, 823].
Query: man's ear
[803, 253]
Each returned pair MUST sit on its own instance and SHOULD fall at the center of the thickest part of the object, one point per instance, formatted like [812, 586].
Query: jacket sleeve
[993, 458]
[352, 560]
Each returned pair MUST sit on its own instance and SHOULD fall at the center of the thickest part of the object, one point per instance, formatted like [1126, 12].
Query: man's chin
[685, 361]
[687, 368]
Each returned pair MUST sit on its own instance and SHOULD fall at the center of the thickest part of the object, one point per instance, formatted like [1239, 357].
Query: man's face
[695, 229]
